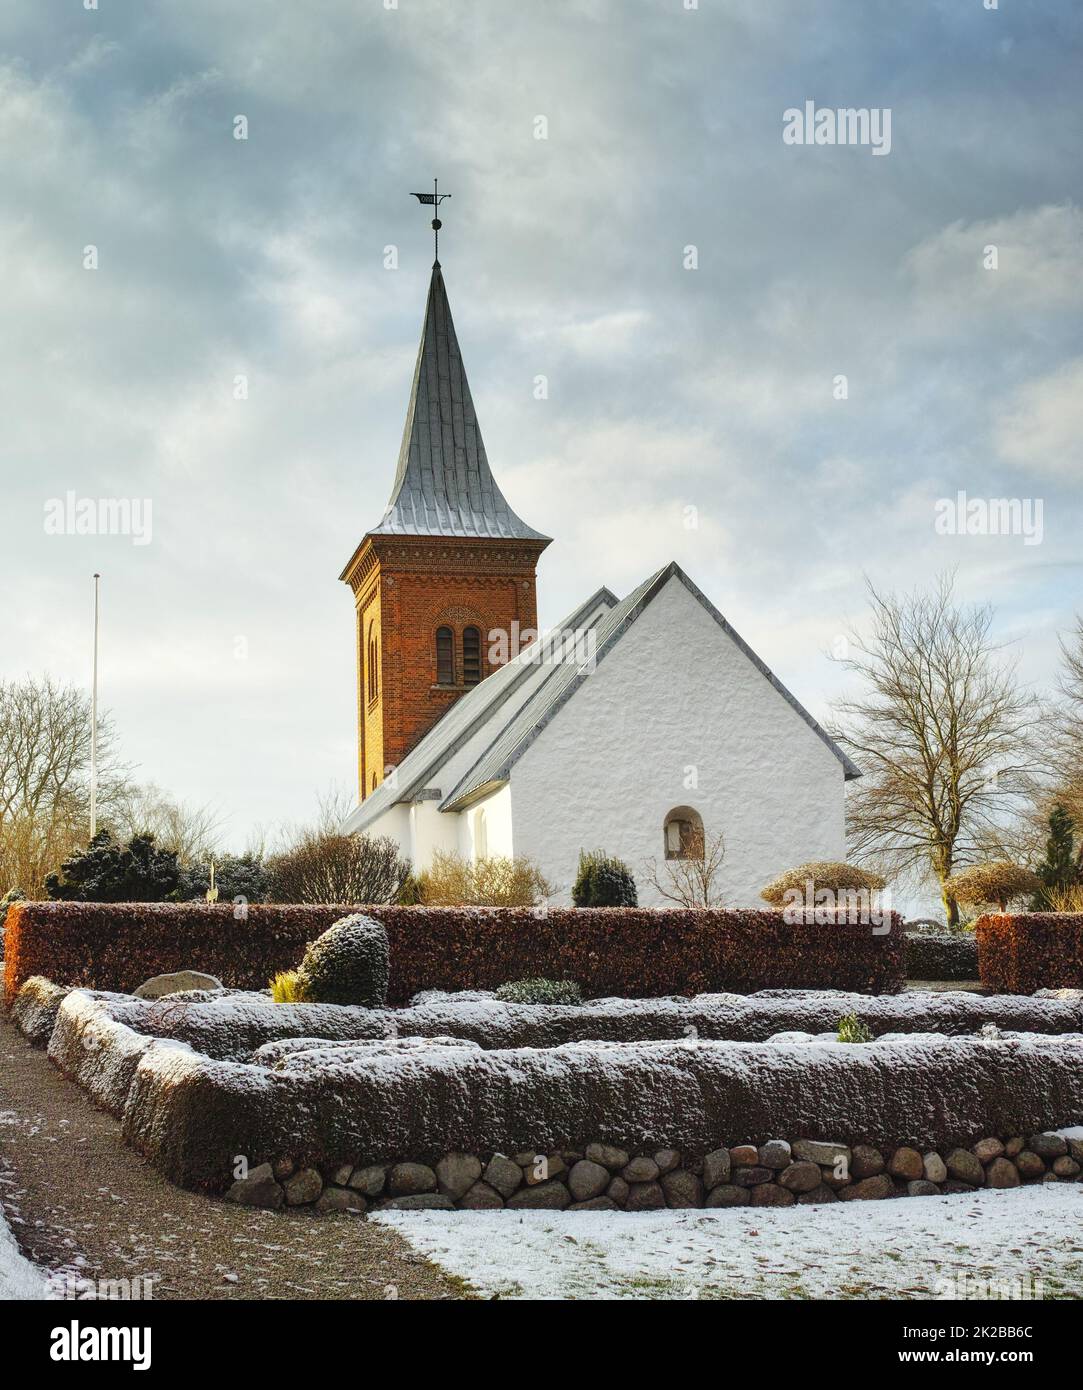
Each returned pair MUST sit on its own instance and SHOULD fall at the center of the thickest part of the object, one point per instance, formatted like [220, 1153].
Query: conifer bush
[603, 881]
[348, 964]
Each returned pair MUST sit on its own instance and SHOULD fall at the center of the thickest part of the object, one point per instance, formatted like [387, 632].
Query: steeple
[443, 484]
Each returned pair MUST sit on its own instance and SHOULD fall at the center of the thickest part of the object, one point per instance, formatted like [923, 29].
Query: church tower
[448, 564]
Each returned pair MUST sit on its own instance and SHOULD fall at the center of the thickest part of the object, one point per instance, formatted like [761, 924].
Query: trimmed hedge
[632, 952]
[1021, 952]
[943, 957]
[192, 1116]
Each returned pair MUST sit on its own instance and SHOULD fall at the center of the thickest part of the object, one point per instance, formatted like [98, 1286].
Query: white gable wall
[677, 715]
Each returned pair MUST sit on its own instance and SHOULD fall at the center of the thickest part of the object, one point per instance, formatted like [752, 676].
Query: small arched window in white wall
[481, 835]
[683, 833]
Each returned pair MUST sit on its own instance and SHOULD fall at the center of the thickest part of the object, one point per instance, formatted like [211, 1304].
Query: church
[643, 726]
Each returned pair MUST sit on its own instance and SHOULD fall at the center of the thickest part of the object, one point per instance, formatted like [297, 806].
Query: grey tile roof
[465, 717]
[444, 485]
[494, 767]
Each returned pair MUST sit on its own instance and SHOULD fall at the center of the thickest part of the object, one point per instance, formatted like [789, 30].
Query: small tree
[1059, 872]
[999, 882]
[108, 872]
[603, 881]
[691, 881]
[333, 868]
[839, 878]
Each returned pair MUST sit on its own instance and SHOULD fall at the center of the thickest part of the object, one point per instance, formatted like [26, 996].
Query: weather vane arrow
[434, 199]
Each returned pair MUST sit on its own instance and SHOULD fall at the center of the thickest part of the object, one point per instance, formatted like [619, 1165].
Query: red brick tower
[449, 563]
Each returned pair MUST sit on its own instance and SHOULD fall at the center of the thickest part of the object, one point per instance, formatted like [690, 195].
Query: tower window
[374, 663]
[445, 656]
[471, 656]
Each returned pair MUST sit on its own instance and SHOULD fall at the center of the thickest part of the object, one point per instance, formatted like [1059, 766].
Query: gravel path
[82, 1204]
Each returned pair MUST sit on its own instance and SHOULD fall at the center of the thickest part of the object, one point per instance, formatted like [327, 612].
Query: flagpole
[94, 715]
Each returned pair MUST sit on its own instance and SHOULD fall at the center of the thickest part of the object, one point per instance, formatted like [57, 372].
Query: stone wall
[603, 1177]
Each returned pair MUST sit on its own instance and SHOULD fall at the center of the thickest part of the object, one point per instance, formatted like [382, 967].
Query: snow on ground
[18, 1277]
[911, 1248]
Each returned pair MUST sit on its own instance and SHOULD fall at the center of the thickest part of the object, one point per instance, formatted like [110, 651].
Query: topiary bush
[839, 878]
[538, 991]
[347, 964]
[996, 883]
[603, 881]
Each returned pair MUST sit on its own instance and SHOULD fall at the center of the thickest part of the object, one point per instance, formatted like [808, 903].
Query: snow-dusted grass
[18, 1277]
[901, 1249]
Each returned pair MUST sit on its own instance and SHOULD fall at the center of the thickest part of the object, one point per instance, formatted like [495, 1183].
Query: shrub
[539, 991]
[453, 881]
[852, 1030]
[946, 956]
[1059, 873]
[108, 872]
[997, 882]
[13, 895]
[633, 952]
[324, 867]
[235, 876]
[347, 964]
[1019, 953]
[410, 892]
[603, 881]
[838, 878]
[287, 987]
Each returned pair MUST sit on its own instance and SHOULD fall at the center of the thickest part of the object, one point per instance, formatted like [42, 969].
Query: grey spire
[443, 484]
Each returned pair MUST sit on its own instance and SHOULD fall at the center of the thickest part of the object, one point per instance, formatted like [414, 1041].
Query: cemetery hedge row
[1021, 952]
[632, 952]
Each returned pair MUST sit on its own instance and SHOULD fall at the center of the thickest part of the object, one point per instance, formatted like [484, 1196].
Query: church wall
[677, 715]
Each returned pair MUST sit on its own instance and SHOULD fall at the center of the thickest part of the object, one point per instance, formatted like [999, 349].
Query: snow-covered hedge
[633, 952]
[193, 1116]
[234, 1026]
[1021, 952]
[946, 956]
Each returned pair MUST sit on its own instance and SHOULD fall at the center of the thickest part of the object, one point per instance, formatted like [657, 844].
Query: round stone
[304, 1187]
[1002, 1172]
[1029, 1164]
[775, 1154]
[410, 1179]
[726, 1195]
[587, 1180]
[716, 1168]
[682, 1189]
[908, 1164]
[936, 1170]
[988, 1149]
[866, 1162]
[965, 1167]
[769, 1194]
[801, 1177]
[609, 1157]
[641, 1169]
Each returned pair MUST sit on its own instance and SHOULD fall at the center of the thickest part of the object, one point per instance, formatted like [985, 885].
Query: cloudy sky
[228, 661]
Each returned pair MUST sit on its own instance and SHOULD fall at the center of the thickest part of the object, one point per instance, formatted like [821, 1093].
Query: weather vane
[435, 198]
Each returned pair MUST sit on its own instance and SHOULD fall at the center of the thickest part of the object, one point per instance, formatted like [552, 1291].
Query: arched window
[374, 663]
[683, 833]
[471, 656]
[374, 781]
[445, 656]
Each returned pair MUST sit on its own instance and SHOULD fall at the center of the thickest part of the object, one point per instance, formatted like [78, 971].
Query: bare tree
[943, 732]
[691, 880]
[45, 778]
[1068, 726]
[191, 832]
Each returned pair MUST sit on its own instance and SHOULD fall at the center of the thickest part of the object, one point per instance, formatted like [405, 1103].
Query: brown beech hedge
[634, 952]
[1021, 952]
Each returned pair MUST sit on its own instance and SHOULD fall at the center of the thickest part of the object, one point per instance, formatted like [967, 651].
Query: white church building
[635, 723]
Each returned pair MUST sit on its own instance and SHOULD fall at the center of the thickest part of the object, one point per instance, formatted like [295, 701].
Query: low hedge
[633, 952]
[1021, 952]
[943, 957]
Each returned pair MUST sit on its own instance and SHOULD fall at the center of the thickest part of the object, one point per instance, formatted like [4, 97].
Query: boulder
[866, 1162]
[771, 1195]
[340, 1199]
[304, 1187]
[176, 982]
[818, 1195]
[775, 1154]
[645, 1196]
[456, 1173]
[1066, 1167]
[481, 1197]
[816, 1151]
[594, 1204]
[922, 1187]
[751, 1177]
[1048, 1145]
[667, 1160]
[801, 1176]
[988, 1149]
[639, 1170]
[744, 1156]
[369, 1180]
[410, 1180]
[1029, 1164]
[726, 1195]
[258, 1189]
[588, 1180]
[716, 1168]
[936, 1170]
[503, 1175]
[419, 1201]
[609, 1157]
[965, 1167]
[682, 1189]
[338, 1175]
[546, 1196]
[618, 1191]
[869, 1189]
[1002, 1172]
[906, 1163]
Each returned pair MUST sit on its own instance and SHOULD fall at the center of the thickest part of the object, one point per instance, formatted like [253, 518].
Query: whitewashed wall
[677, 700]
